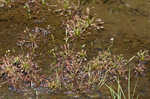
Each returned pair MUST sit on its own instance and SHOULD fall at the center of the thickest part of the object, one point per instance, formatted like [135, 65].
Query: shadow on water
[127, 22]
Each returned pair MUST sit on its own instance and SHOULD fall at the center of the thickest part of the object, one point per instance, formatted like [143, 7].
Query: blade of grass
[135, 89]
[129, 89]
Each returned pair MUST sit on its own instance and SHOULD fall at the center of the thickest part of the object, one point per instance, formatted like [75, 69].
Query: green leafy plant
[119, 93]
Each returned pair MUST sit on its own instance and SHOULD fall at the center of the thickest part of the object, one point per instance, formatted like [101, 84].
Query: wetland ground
[74, 49]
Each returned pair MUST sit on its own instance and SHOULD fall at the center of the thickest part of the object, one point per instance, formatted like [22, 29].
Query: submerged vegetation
[71, 69]
[19, 70]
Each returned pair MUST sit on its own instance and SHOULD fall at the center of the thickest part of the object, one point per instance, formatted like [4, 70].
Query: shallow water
[128, 22]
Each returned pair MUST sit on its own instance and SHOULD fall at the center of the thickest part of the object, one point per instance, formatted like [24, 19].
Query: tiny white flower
[112, 39]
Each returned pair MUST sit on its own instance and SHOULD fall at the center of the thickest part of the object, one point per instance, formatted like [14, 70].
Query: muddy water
[127, 22]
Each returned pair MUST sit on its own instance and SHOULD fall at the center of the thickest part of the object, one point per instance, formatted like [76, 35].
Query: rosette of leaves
[19, 70]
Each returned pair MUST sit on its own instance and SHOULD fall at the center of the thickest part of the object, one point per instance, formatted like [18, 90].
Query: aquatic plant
[19, 71]
[31, 38]
[119, 93]
[77, 25]
[73, 71]
[65, 7]
[32, 7]
[27, 7]
[143, 59]
[142, 55]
